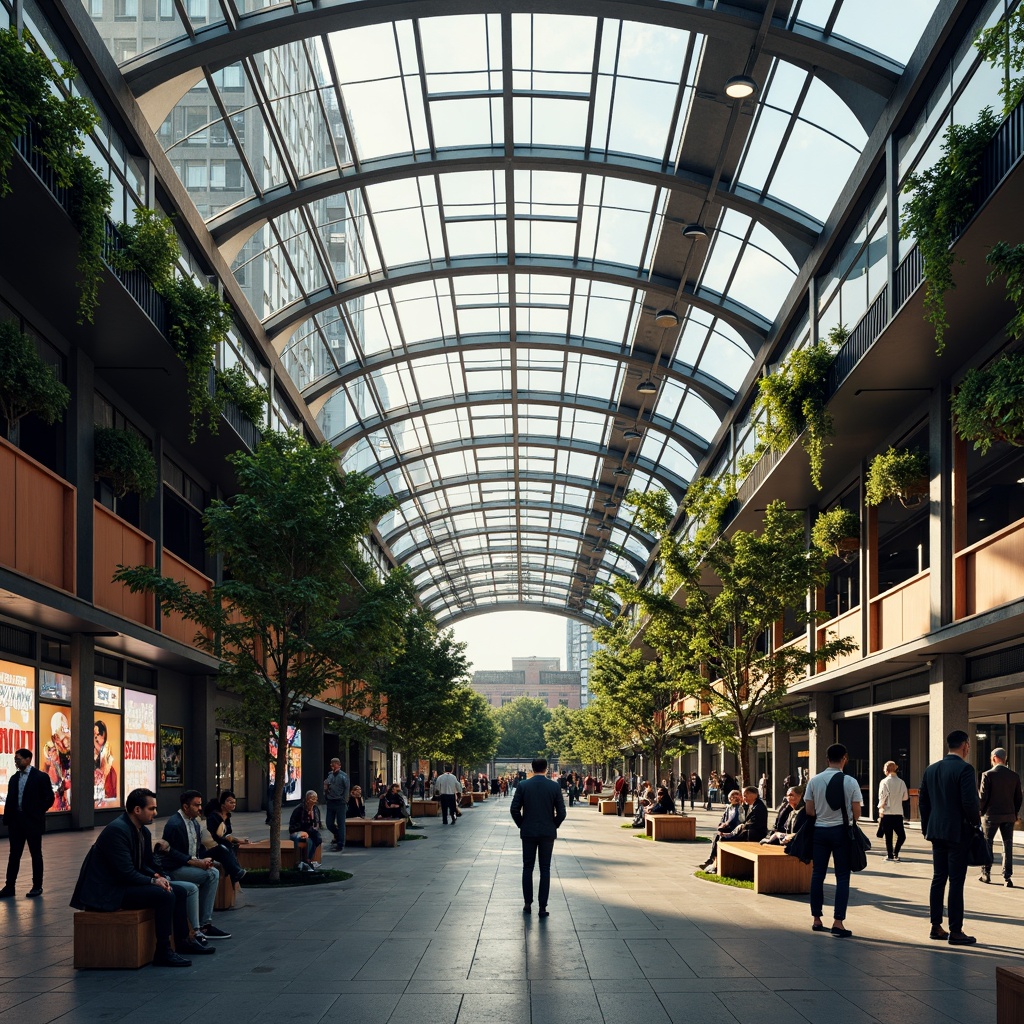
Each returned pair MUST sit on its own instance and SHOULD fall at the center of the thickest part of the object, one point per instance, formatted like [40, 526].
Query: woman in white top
[892, 792]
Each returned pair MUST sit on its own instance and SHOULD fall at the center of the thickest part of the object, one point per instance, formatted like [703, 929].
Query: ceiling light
[695, 231]
[739, 87]
[647, 387]
[620, 471]
[666, 318]
[603, 528]
[631, 434]
[608, 503]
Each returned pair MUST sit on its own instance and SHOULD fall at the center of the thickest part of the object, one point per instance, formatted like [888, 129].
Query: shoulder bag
[978, 853]
[859, 844]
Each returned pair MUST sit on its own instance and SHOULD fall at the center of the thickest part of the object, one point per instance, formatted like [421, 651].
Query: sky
[494, 640]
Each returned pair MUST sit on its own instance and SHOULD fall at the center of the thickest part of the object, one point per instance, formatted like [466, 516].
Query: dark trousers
[336, 810]
[532, 847]
[831, 843]
[19, 836]
[890, 824]
[1005, 830]
[620, 802]
[224, 854]
[949, 864]
[170, 909]
[447, 807]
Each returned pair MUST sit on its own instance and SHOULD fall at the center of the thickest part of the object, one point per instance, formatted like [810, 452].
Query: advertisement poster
[172, 755]
[139, 741]
[106, 750]
[293, 787]
[55, 741]
[17, 717]
[54, 685]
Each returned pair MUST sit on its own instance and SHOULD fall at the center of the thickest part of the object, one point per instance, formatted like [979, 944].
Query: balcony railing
[902, 613]
[116, 542]
[990, 572]
[174, 625]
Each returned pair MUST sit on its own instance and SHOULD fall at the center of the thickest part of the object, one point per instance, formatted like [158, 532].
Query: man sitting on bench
[118, 873]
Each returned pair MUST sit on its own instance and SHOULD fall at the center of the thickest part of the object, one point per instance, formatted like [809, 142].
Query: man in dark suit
[1000, 804]
[537, 809]
[948, 801]
[753, 826]
[118, 873]
[29, 797]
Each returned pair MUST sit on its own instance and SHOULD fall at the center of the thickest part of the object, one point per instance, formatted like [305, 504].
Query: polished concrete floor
[433, 932]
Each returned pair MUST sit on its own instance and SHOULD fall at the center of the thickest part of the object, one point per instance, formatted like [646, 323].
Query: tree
[478, 733]
[596, 734]
[301, 612]
[423, 687]
[522, 722]
[558, 736]
[721, 598]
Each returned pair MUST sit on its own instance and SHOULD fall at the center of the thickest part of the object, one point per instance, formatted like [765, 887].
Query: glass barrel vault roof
[456, 230]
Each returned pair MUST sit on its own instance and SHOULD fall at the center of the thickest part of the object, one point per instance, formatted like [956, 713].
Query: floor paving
[432, 932]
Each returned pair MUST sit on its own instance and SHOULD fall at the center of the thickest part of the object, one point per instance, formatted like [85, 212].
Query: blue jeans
[336, 821]
[830, 841]
[313, 842]
[206, 880]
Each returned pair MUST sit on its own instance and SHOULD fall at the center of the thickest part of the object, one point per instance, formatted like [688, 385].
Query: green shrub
[832, 528]
[988, 405]
[897, 473]
[123, 457]
[27, 384]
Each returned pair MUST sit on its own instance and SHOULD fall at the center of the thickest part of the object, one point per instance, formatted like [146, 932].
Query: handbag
[978, 853]
[858, 843]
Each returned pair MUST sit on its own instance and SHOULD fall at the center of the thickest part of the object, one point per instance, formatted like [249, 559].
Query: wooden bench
[608, 807]
[426, 808]
[257, 855]
[769, 866]
[1009, 995]
[374, 831]
[594, 799]
[225, 899]
[466, 800]
[673, 828]
[118, 939]
[478, 798]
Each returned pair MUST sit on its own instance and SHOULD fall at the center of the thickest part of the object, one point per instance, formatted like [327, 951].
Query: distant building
[580, 647]
[530, 677]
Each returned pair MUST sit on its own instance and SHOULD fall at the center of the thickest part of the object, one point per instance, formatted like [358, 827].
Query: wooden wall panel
[116, 542]
[993, 569]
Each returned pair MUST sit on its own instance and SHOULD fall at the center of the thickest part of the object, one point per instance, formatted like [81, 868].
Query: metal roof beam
[595, 617]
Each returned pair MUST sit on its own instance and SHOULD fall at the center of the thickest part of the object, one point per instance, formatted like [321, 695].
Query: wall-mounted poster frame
[172, 755]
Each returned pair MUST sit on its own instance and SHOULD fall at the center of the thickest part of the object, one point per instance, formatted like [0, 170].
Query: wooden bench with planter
[608, 807]
[478, 798]
[595, 799]
[769, 866]
[673, 828]
[256, 856]
[374, 831]
[426, 808]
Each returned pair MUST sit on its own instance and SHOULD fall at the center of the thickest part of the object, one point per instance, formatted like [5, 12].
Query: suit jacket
[35, 801]
[538, 808]
[948, 798]
[120, 859]
[176, 835]
[1000, 794]
[754, 825]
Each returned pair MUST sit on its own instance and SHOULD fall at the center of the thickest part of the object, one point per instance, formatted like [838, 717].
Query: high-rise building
[580, 647]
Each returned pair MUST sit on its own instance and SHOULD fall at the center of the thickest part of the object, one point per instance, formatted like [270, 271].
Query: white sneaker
[303, 866]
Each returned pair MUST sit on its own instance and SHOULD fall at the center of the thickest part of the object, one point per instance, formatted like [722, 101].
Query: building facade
[580, 648]
[540, 678]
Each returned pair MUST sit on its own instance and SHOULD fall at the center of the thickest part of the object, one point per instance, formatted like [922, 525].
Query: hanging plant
[794, 401]
[124, 458]
[90, 202]
[899, 473]
[988, 405]
[836, 532]
[150, 244]
[1008, 261]
[941, 201]
[27, 384]
[234, 385]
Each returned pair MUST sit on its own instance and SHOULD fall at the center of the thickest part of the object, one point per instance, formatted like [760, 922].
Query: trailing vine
[988, 405]
[941, 201]
[1008, 261]
[900, 473]
[123, 457]
[234, 385]
[1002, 45]
[150, 244]
[90, 202]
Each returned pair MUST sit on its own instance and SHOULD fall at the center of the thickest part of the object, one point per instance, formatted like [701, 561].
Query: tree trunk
[744, 757]
[280, 785]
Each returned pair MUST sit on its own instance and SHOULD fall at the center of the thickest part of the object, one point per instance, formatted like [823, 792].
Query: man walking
[537, 809]
[948, 801]
[29, 797]
[336, 788]
[1000, 804]
[621, 790]
[446, 789]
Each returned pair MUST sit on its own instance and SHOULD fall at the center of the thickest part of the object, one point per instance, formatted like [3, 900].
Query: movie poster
[55, 741]
[139, 740]
[107, 766]
[293, 787]
[172, 755]
[17, 718]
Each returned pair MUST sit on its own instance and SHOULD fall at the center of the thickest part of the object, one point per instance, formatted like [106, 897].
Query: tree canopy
[522, 722]
[478, 733]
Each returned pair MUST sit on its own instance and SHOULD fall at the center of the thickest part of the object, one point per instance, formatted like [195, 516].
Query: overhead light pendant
[666, 318]
[620, 471]
[608, 503]
[603, 528]
[695, 232]
[647, 387]
[631, 434]
[739, 87]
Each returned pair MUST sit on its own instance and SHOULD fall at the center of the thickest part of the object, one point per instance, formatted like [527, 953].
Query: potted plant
[124, 458]
[27, 384]
[837, 532]
[900, 473]
[988, 405]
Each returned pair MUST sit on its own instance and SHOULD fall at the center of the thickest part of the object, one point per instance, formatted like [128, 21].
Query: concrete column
[80, 430]
[940, 520]
[820, 736]
[201, 764]
[313, 768]
[947, 705]
[83, 674]
[779, 765]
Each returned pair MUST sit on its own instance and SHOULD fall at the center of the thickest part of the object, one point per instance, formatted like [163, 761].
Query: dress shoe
[168, 958]
[938, 932]
[6, 892]
[841, 933]
[817, 927]
[527, 909]
[543, 912]
[196, 948]
[959, 939]
[984, 877]
[36, 890]
[1008, 883]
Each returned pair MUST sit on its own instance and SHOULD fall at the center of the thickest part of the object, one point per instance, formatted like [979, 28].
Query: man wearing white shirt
[892, 792]
[446, 788]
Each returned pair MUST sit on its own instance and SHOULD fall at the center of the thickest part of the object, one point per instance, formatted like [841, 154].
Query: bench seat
[374, 831]
[256, 856]
[114, 940]
[769, 866]
[426, 808]
[671, 827]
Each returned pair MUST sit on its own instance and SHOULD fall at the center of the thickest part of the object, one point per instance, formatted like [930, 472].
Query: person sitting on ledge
[218, 824]
[731, 818]
[306, 823]
[753, 826]
[356, 804]
[663, 804]
[790, 818]
[119, 873]
[391, 802]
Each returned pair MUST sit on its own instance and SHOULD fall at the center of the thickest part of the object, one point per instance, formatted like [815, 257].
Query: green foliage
[897, 473]
[522, 723]
[235, 385]
[124, 457]
[300, 611]
[745, 463]
[478, 732]
[736, 883]
[833, 527]
[940, 203]
[1002, 45]
[90, 202]
[1008, 261]
[988, 405]
[27, 384]
[794, 401]
[150, 244]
